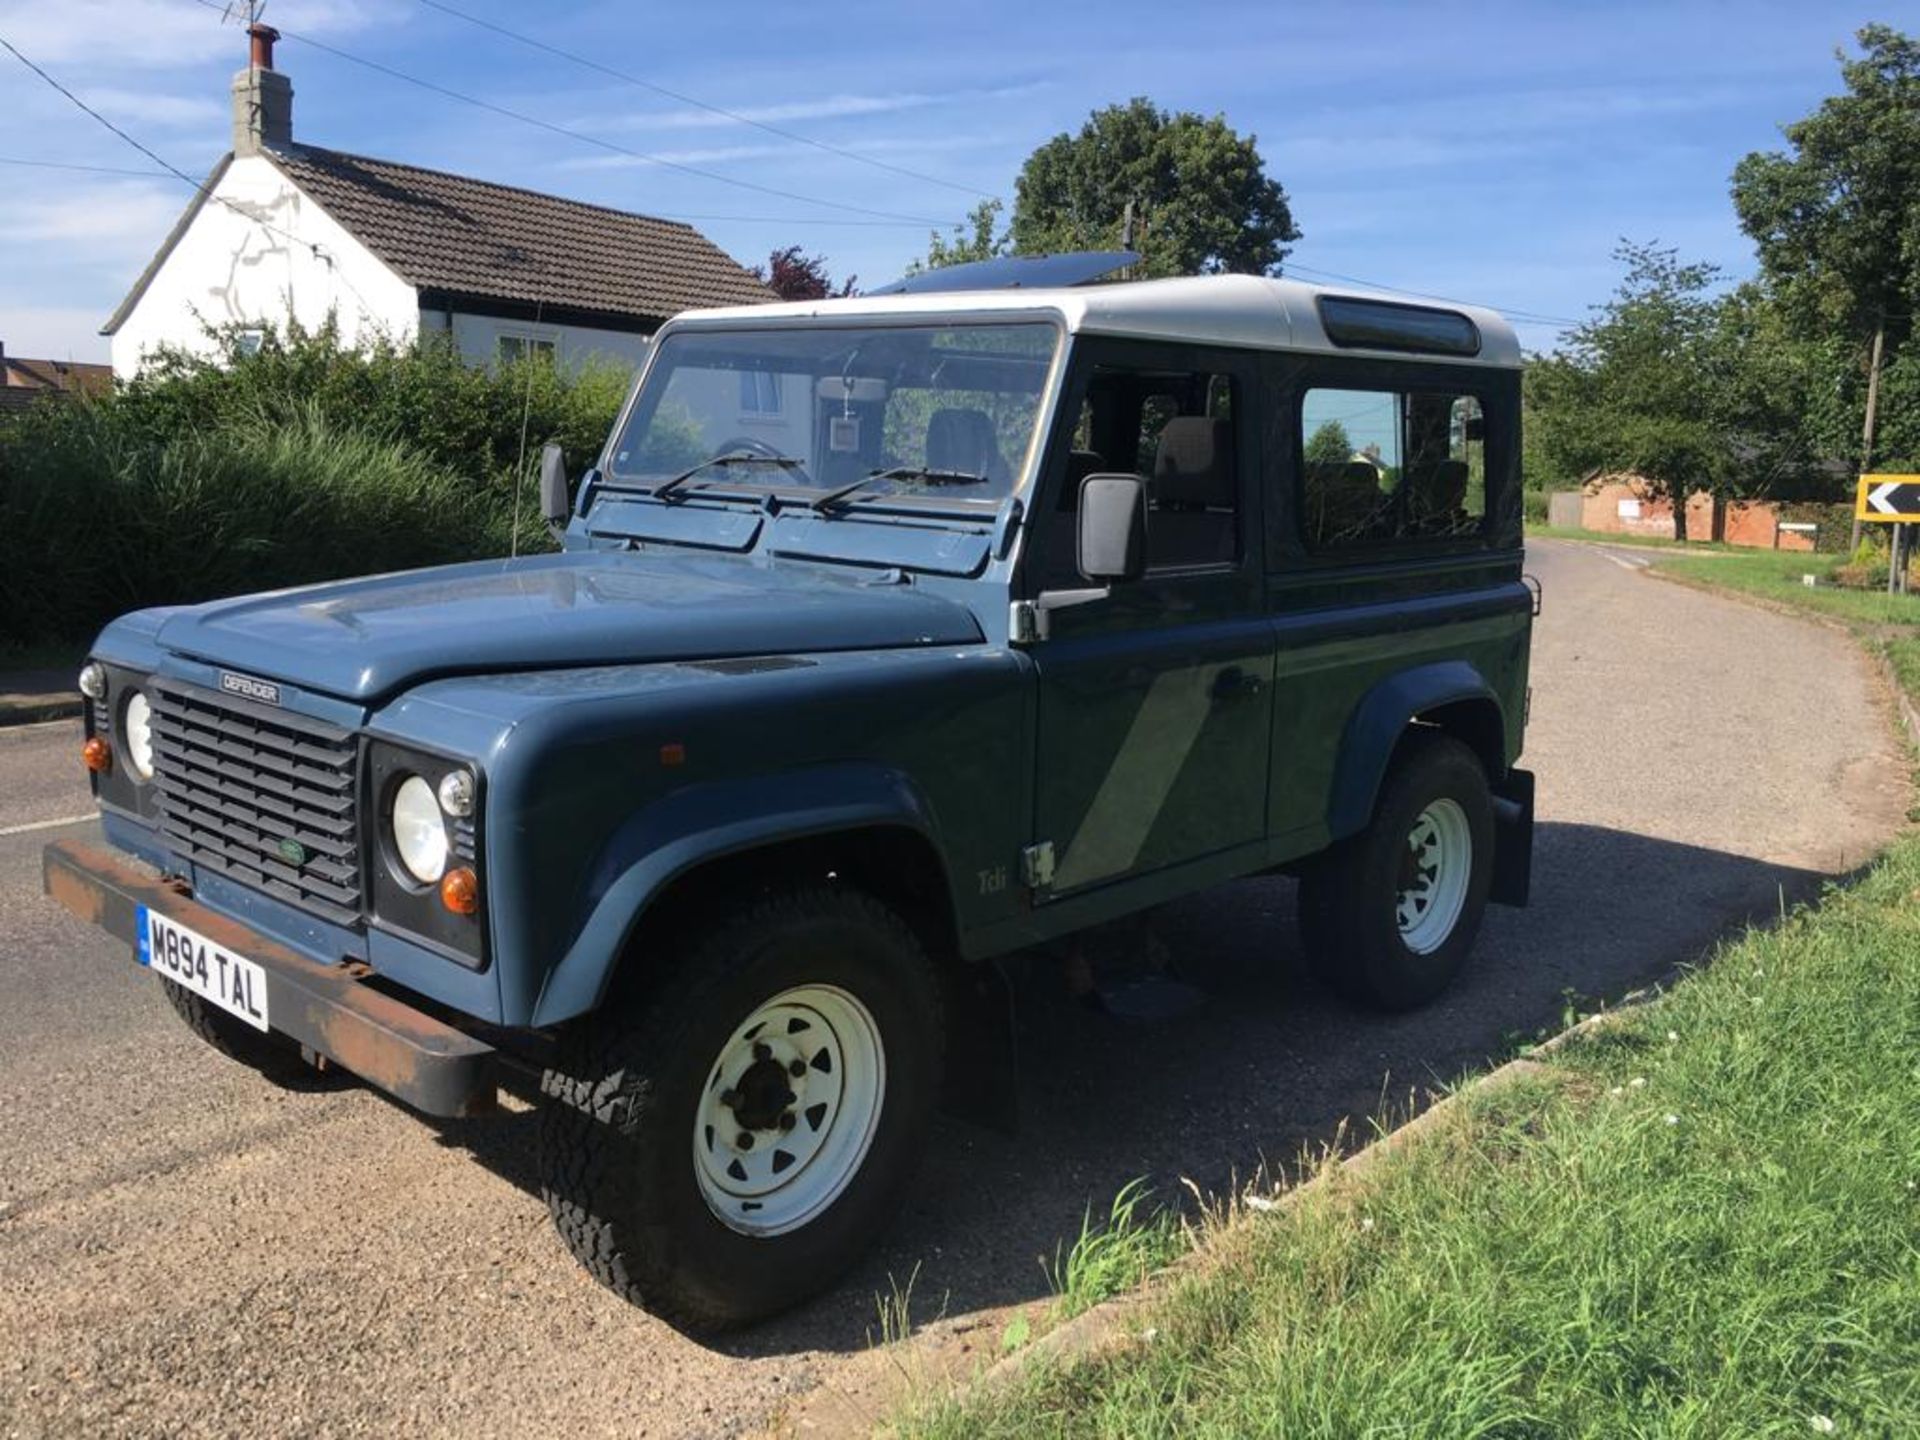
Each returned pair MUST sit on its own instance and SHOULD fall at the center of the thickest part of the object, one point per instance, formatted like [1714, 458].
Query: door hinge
[1036, 865]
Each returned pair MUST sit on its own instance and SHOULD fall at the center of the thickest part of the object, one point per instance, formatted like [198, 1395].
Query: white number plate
[236, 985]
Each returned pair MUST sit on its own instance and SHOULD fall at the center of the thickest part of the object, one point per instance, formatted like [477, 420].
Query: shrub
[300, 463]
[1866, 568]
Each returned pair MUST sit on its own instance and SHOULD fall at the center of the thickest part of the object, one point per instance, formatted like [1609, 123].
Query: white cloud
[146, 107]
[829, 107]
[119, 222]
[718, 154]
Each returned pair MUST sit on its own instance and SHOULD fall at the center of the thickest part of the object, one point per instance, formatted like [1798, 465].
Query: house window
[759, 392]
[524, 347]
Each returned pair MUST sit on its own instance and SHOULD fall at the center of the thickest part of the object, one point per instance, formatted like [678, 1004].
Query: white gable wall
[230, 270]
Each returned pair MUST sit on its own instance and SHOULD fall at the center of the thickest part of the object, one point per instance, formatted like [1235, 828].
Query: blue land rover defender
[888, 635]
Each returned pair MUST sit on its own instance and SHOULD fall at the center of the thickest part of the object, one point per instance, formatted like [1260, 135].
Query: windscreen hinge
[1024, 623]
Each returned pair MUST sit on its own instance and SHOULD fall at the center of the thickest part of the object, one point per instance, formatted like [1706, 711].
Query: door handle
[1234, 682]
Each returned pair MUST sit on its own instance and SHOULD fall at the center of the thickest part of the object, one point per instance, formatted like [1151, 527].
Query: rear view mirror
[1113, 528]
[556, 503]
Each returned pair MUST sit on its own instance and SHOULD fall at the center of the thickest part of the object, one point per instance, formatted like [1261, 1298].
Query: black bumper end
[1512, 839]
[404, 1051]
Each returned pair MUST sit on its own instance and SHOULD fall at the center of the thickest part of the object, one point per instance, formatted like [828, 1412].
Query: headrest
[963, 440]
[1194, 464]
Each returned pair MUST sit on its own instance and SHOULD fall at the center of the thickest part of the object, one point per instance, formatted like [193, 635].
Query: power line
[82, 169]
[203, 190]
[534, 120]
[699, 104]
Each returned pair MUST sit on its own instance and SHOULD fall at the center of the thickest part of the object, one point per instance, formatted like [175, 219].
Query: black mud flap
[983, 1079]
[1512, 839]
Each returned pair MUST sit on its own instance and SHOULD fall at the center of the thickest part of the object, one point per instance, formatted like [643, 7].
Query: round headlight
[456, 793]
[419, 836]
[136, 729]
[93, 681]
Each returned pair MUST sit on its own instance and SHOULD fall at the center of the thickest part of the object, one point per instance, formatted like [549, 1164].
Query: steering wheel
[748, 445]
[754, 445]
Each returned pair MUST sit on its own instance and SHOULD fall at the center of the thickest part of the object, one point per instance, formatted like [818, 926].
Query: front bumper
[403, 1050]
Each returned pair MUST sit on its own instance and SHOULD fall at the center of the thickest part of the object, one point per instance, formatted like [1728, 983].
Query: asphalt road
[186, 1250]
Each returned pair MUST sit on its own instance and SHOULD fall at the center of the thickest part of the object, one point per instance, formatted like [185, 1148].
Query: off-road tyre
[273, 1056]
[621, 1099]
[1350, 897]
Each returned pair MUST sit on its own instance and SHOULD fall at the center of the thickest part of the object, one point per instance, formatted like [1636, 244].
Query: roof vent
[262, 98]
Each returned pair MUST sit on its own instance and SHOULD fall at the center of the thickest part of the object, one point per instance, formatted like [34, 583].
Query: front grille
[261, 796]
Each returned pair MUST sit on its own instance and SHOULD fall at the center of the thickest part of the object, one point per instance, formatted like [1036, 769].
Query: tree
[794, 276]
[1201, 199]
[972, 241]
[1641, 386]
[1329, 445]
[1836, 219]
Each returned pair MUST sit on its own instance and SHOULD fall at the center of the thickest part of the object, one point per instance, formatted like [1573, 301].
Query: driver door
[1155, 703]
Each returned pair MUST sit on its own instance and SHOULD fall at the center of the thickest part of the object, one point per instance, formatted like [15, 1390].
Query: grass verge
[1702, 1220]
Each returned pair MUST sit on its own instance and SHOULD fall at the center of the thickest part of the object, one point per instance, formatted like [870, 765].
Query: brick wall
[1622, 507]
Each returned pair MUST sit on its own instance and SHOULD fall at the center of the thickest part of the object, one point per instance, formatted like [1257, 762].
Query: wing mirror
[1113, 528]
[556, 500]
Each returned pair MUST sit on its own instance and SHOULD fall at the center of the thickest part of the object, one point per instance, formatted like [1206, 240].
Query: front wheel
[726, 1143]
[1389, 915]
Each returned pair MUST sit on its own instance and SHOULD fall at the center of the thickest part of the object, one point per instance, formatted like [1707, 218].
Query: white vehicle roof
[1246, 310]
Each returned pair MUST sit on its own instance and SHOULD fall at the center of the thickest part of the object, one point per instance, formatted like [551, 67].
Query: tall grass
[303, 462]
[1703, 1222]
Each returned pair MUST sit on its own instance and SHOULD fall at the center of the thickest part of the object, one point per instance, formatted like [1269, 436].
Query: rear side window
[1385, 466]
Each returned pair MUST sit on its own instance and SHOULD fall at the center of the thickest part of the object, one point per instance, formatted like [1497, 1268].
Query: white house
[291, 232]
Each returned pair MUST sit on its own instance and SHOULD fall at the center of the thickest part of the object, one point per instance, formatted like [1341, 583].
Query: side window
[1381, 466]
[1172, 427]
[1175, 428]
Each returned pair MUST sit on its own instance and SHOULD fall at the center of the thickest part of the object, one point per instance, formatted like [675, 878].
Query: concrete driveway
[186, 1250]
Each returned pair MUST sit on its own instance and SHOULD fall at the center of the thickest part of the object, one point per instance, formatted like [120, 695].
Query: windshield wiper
[925, 474]
[732, 457]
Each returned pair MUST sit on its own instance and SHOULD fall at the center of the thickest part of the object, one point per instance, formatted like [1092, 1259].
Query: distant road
[186, 1250]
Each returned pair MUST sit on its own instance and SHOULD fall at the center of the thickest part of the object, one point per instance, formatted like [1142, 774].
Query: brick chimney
[262, 98]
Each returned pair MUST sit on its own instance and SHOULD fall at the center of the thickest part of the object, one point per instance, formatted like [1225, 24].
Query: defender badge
[248, 688]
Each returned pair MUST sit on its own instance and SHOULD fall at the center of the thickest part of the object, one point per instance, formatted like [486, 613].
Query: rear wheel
[727, 1143]
[1389, 916]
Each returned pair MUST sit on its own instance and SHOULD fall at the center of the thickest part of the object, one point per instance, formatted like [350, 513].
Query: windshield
[942, 410]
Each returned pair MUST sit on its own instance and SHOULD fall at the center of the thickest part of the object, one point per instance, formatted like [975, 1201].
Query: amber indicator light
[673, 753]
[97, 755]
[460, 891]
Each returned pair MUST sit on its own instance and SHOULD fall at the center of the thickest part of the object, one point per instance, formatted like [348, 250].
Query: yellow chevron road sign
[1888, 498]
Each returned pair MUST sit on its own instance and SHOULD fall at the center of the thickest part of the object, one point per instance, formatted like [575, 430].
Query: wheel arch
[1450, 696]
[860, 825]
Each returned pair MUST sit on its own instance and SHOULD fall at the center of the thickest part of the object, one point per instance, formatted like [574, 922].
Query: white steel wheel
[1434, 876]
[789, 1110]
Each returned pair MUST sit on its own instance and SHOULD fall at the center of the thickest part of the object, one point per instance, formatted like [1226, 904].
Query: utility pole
[1873, 405]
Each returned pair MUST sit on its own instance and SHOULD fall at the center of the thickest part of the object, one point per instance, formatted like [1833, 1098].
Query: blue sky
[1492, 151]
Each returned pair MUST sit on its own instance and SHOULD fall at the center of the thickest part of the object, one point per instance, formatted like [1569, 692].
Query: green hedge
[299, 463]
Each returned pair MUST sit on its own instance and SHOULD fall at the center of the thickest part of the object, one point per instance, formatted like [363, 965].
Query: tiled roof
[69, 375]
[462, 236]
